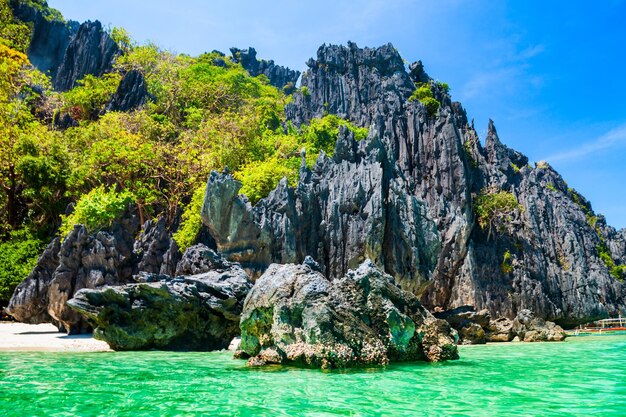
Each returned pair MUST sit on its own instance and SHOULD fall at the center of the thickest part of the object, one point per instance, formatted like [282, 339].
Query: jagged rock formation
[67, 51]
[131, 93]
[616, 241]
[154, 250]
[555, 269]
[108, 257]
[199, 312]
[363, 85]
[295, 315]
[50, 38]
[342, 212]
[405, 197]
[89, 261]
[90, 51]
[279, 76]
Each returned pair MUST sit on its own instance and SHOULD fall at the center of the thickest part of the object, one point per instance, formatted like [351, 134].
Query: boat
[601, 327]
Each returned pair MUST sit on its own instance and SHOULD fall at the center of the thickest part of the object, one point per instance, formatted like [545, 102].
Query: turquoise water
[583, 376]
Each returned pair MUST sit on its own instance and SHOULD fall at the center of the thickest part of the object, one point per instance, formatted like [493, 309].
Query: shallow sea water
[582, 376]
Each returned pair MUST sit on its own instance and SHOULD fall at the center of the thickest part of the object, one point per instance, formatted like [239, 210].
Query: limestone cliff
[405, 198]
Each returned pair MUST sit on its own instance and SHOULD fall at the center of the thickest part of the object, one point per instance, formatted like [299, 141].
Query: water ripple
[583, 376]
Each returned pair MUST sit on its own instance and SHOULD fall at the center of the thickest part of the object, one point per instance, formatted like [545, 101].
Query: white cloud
[612, 139]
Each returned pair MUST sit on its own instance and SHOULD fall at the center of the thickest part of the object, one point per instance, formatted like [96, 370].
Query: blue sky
[551, 74]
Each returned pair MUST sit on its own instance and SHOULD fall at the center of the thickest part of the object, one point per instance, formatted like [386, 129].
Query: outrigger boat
[606, 326]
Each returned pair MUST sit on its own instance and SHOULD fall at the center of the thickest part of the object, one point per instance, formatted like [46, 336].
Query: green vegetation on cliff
[496, 210]
[424, 95]
[202, 113]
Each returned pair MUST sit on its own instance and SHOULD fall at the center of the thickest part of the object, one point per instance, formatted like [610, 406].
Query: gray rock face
[131, 93]
[279, 76]
[50, 37]
[29, 303]
[231, 222]
[616, 242]
[343, 211]
[89, 261]
[295, 315]
[154, 250]
[199, 259]
[353, 83]
[199, 312]
[554, 269]
[67, 51]
[90, 51]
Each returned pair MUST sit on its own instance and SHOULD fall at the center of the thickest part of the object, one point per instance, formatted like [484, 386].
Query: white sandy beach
[46, 338]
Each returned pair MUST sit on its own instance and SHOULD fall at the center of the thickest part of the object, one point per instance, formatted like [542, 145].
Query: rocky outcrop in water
[500, 330]
[131, 93]
[198, 312]
[469, 323]
[406, 198]
[295, 315]
[529, 328]
[279, 76]
[477, 327]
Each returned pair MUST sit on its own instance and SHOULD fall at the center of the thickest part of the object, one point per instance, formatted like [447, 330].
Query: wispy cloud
[612, 139]
[530, 52]
[507, 73]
